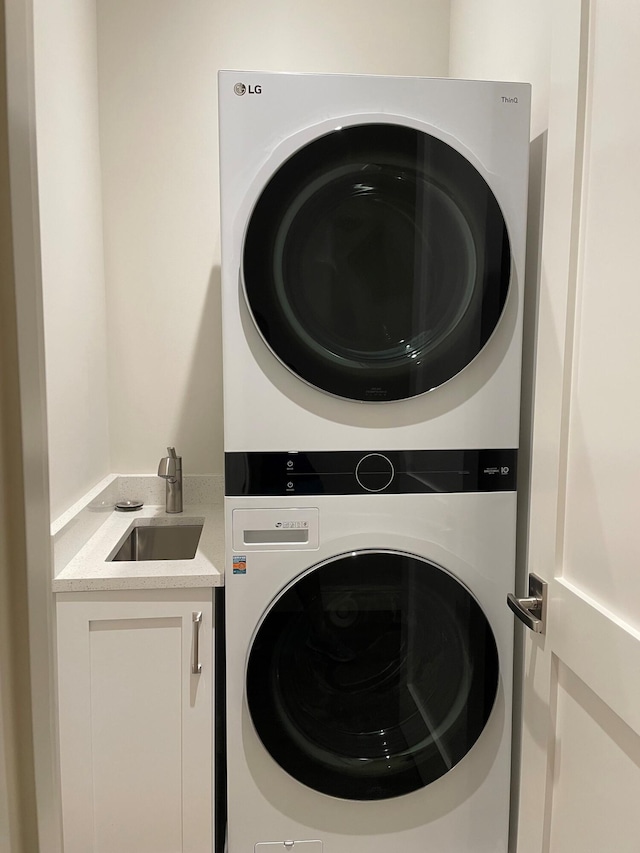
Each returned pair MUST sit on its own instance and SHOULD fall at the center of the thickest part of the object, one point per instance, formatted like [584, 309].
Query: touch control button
[374, 472]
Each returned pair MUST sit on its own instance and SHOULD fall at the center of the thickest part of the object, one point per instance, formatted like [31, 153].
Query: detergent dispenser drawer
[275, 530]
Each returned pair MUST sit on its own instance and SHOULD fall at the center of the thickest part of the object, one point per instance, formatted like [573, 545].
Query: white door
[580, 771]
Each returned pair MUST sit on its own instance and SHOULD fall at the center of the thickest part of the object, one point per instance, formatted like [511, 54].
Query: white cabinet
[136, 728]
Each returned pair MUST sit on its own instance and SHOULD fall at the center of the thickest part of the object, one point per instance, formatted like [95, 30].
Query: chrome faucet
[170, 469]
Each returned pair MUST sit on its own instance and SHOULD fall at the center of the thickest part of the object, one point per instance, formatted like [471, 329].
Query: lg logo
[241, 89]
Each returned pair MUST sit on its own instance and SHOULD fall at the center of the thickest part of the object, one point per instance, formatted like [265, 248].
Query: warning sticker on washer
[239, 565]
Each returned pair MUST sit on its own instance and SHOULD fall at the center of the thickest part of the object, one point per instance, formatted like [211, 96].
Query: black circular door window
[372, 675]
[376, 262]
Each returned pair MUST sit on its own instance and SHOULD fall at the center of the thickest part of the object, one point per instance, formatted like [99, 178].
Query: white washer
[369, 655]
[373, 245]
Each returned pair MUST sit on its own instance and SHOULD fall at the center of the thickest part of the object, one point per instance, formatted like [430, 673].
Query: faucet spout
[170, 469]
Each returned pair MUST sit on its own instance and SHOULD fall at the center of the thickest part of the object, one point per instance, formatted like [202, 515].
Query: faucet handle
[167, 467]
[172, 452]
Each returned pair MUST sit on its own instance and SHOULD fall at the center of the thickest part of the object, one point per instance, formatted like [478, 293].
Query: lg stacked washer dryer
[373, 241]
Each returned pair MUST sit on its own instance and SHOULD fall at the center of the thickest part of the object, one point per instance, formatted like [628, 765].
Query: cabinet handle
[196, 666]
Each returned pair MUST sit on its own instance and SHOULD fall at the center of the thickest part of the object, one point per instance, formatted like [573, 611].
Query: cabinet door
[136, 721]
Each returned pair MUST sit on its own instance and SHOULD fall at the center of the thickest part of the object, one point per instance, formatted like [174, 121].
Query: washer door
[376, 262]
[372, 675]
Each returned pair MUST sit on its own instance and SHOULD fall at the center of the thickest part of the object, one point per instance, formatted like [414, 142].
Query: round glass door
[372, 675]
[376, 262]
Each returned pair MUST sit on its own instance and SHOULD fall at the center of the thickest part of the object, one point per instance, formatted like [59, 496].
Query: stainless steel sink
[159, 542]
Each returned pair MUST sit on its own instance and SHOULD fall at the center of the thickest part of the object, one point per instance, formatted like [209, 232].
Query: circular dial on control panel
[374, 472]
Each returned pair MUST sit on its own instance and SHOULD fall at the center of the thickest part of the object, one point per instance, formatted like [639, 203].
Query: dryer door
[376, 262]
[372, 675]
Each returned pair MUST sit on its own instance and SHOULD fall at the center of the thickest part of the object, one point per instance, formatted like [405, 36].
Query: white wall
[504, 40]
[71, 240]
[158, 123]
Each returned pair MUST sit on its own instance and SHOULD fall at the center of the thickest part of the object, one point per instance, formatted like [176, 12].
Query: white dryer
[369, 652]
[373, 246]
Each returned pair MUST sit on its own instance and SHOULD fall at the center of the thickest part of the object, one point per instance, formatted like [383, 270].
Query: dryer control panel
[353, 472]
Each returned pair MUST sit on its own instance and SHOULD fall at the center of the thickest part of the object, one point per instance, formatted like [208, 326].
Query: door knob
[532, 611]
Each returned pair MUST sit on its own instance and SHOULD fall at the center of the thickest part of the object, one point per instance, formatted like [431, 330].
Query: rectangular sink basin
[159, 542]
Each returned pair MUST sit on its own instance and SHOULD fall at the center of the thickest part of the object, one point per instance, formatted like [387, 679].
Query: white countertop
[90, 570]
